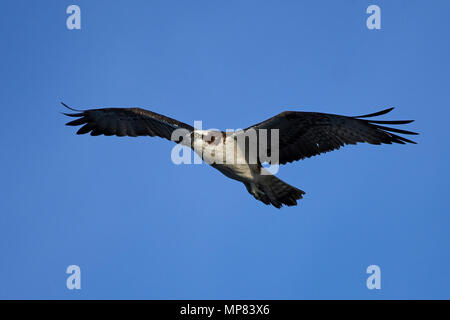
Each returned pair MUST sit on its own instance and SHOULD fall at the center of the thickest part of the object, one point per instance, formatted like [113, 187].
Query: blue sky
[141, 227]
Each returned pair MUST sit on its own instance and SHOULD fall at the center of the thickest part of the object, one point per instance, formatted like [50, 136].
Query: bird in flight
[300, 135]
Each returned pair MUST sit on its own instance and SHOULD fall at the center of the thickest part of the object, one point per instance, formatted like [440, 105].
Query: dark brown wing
[121, 122]
[306, 134]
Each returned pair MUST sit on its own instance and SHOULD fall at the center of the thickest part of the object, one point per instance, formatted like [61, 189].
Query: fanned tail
[273, 191]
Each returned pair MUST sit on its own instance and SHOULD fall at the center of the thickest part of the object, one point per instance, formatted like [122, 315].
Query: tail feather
[275, 192]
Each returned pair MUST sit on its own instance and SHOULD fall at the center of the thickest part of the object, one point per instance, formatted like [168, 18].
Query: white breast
[226, 156]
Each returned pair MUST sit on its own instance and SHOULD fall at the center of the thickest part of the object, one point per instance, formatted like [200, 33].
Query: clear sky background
[141, 227]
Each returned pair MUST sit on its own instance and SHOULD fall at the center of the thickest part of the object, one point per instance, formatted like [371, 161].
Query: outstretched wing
[306, 134]
[121, 122]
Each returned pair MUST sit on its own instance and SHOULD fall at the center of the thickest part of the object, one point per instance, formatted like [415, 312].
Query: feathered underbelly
[241, 172]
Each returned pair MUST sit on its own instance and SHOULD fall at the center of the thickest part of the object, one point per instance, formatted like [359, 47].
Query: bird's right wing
[121, 122]
[306, 134]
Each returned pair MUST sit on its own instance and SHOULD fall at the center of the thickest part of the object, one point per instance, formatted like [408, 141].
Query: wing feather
[306, 134]
[121, 122]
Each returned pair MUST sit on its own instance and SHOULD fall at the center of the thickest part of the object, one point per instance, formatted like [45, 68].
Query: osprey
[300, 135]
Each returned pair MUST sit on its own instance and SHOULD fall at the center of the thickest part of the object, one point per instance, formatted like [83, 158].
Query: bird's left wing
[121, 122]
[306, 134]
